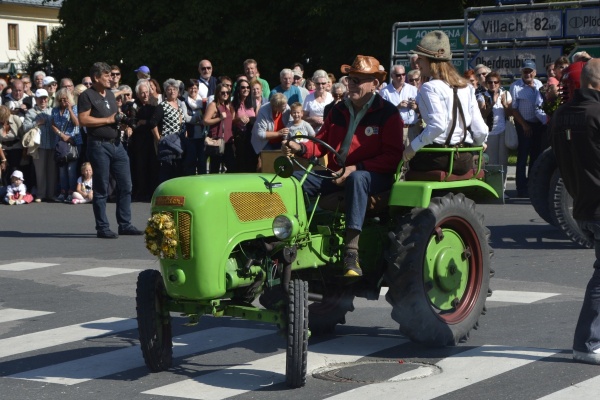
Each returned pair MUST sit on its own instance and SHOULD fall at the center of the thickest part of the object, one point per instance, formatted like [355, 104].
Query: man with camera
[98, 112]
[403, 97]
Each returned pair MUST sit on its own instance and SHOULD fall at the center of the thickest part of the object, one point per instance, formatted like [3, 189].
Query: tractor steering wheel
[315, 161]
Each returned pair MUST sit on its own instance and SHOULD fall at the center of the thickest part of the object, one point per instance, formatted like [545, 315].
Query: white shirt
[435, 105]
[391, 94]
[499, 124]
[314, 108]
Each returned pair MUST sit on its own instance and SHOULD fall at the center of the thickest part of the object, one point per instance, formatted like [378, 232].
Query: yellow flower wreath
[161, 235]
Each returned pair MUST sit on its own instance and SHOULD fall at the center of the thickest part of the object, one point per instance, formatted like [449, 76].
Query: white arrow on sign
[405, 40]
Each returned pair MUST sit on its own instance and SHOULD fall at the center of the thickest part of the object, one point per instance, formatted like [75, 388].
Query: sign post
[408, 38]
[518, 25]
[510, 61]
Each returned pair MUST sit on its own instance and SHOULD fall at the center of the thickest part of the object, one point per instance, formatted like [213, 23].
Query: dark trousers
[529, 147]
[587, 331]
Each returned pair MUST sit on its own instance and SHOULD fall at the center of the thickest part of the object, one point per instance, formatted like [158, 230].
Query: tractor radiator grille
[184, 220]
[254, 206]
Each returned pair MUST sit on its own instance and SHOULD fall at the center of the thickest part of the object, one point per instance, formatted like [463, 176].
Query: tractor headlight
[285, 227]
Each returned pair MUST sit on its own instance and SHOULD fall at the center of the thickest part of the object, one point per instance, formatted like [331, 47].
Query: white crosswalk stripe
[103, 272]
[459, 371]
[24, 266]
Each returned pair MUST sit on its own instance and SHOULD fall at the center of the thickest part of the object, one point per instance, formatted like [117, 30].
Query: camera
[123, 119]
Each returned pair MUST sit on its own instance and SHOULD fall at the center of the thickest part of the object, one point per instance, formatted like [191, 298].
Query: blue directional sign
[518, 25]
[582, 22]
[510, 61]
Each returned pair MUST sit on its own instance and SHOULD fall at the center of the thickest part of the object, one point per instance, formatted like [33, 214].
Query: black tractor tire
[154, 321]
[297, 334]
[539, 184]
[448, 242]
[562, 212]
[326, 314]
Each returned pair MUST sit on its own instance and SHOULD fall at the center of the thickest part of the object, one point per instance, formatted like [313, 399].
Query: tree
[172, 37]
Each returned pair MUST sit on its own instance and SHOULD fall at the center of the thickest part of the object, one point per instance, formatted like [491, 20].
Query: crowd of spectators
[224, 123]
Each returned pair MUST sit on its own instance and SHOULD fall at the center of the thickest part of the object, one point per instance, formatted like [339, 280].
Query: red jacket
[377, 142]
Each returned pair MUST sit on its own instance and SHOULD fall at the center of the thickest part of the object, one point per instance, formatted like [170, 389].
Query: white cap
[48, 80]
[17, 174]
[41, 93]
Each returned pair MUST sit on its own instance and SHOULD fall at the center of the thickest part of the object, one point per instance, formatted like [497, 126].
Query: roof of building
[38, 3]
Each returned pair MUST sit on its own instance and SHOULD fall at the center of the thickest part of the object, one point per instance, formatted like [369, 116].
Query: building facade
[24, 24]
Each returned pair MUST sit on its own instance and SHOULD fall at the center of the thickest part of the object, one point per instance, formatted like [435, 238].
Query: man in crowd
[403, 96]
[38, 80]
[367, 132]
[98, 112]
[68, 84]
[251, 71]
[17, 101]
[299, 80]
[291, 92]
[575, 135]
[530, 119]
[207, 83]
[26, 79]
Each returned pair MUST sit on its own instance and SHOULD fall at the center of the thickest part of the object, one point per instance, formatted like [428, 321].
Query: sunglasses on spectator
[205, 68]
[244, 87]
[338, 95]
[482, 74]
[115, 74]
[414, 79]
[297, 78]
[399, 75]
[493, 82]
[225, 92]
[87, 83]
[320, 83]
[358, 81]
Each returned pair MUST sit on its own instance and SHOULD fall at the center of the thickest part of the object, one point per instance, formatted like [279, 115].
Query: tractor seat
[377, 204]
[442, 176]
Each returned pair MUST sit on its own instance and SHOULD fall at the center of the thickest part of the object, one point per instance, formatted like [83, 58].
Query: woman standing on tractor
[438, 98]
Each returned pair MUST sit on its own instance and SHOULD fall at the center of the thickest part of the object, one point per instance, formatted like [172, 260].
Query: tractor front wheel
[154, 321]
[297, 334]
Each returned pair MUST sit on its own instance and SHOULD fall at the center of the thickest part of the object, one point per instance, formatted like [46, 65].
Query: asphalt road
[68, 330]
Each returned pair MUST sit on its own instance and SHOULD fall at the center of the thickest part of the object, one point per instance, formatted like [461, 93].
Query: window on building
[13, 36]
[42, 35]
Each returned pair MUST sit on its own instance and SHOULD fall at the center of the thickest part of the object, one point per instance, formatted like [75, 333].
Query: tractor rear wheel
[539, 184]
[439, 271]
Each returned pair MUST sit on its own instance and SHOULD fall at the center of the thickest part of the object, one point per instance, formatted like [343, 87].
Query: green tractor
[225, 241]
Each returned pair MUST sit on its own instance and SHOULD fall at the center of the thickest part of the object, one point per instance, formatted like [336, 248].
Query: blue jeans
[587, 331]
[109, 159]
[528, 147]
[194, 159]
[357, 189]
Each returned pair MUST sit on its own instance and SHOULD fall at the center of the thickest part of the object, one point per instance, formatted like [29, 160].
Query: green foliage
[172, 37]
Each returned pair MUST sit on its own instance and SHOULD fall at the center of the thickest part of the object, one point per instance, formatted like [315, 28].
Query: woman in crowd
[413, 77]
[270, 126]
[194, 160]
[497, 108]
[10, 140]
[66, 126]
[243, 122]
[141, 149]
[257, 96]
[314, 104]
[219, 119]
[168, 124]
[553, 85]
[156, 96]
[470, 76]
[338, 91]
[444, 127]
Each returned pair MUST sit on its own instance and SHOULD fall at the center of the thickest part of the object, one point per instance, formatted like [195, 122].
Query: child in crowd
[16, 192]
[84, 192]
[298, 126]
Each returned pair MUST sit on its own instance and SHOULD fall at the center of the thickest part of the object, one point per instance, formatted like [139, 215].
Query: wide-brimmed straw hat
[434, 45]
[365, 65]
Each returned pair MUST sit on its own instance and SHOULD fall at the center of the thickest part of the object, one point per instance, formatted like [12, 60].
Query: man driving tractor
[366, 131]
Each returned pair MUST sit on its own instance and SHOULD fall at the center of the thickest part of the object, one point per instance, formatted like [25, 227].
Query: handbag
[215, 146]
[65, 152]
[511, 140]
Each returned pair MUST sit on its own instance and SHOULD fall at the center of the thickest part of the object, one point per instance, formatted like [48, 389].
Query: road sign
[582, 22]
[518, 25]
[593, 50]
[408, 38]
[510, 61]
[457, 60]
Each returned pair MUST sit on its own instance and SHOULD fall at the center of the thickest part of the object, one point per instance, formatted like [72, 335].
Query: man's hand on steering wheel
[289, 147]
[343, 175]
